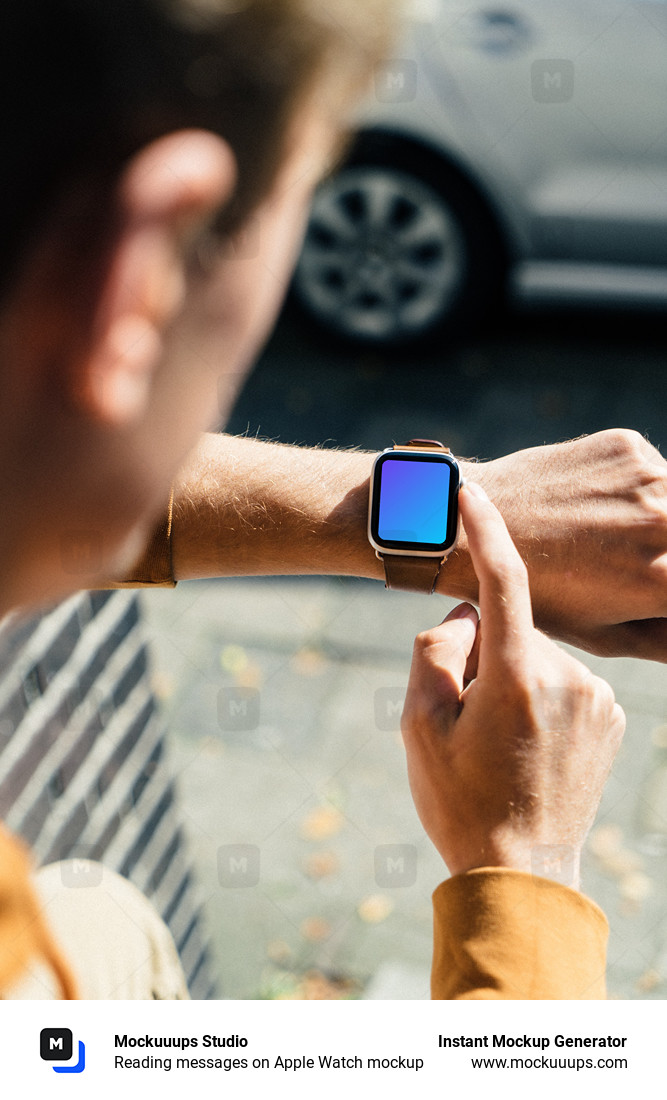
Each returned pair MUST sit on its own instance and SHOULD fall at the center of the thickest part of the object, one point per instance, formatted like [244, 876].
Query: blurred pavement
[316, 787]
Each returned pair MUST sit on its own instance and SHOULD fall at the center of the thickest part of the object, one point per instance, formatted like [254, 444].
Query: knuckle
[568, 695]
[407, 724]
[657, 578]
[654, 509]
[411, 715]
[599, 693]
[626, 442]
[424, 640]
[419, 719]
[605, 694]
[618, 724]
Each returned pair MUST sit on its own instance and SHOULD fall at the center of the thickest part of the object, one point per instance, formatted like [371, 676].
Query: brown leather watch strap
[422, 445]
[411, 574]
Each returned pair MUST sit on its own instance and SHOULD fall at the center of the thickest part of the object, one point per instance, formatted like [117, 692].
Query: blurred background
[489, 268]
[517, 148]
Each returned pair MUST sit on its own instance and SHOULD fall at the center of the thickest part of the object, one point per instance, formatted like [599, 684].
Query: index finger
[504, 594]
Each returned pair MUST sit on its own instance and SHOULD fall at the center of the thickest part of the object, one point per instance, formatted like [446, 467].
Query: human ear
[166, 195]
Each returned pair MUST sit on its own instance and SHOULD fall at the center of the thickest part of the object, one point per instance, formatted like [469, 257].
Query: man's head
[138, 132]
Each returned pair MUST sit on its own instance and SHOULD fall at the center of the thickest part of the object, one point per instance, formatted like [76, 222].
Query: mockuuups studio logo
[555, 709]
[555, 861]
[395, 865]
[388, 708]
[82, 552]
[552, 80]
[56, 1045]
[238, 709]
[396, 81]
[238, 866]
[78, 874]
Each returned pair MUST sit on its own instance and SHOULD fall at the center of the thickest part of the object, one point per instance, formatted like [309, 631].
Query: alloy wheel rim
[384, 258]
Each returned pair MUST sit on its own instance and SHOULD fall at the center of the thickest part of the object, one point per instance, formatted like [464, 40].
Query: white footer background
[299, 1030]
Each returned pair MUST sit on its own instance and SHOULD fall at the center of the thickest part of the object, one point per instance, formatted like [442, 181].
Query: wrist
[558, 862]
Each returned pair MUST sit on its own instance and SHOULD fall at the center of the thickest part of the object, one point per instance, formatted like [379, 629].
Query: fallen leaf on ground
[250, 676]
[649, 981]
[315, 929]
[309, 662]
[233, 659]
[659, 736]
[635, 888]
[605, 840]
[375, 909]
[323, 822]
[321, 864]
[312, 986]
[279, 951]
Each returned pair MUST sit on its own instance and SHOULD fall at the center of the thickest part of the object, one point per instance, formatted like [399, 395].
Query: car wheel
[395, 255]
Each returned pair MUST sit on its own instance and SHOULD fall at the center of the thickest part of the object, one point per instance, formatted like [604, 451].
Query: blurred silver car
[520, 145]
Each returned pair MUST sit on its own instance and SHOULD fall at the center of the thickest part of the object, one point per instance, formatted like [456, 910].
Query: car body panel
[556, 110]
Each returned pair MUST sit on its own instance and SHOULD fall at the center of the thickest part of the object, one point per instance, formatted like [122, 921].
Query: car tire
[399, 249]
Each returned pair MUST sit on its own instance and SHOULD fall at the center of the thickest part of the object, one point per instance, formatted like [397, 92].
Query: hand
[589, 518]
[509, 739]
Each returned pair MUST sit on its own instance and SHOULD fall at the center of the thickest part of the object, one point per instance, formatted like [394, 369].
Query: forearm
[244, 507]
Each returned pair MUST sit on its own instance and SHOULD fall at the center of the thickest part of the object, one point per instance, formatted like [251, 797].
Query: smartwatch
[413, 514]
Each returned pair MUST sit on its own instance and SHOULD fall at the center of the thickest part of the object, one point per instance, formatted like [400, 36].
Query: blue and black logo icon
[56, 1045]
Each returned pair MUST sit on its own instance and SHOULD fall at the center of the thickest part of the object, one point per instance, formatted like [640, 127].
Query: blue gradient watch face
[414, 502]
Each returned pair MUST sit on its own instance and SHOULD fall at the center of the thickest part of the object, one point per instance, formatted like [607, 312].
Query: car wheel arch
[420, 151]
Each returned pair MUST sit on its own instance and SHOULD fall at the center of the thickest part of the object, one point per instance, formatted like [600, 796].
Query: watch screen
[414, 504]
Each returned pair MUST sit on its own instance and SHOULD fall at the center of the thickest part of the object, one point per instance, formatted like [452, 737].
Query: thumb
[439, 663]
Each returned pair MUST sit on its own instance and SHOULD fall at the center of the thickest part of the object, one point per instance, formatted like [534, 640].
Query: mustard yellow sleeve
[24, 936]
[154, 569]
[507, 935]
